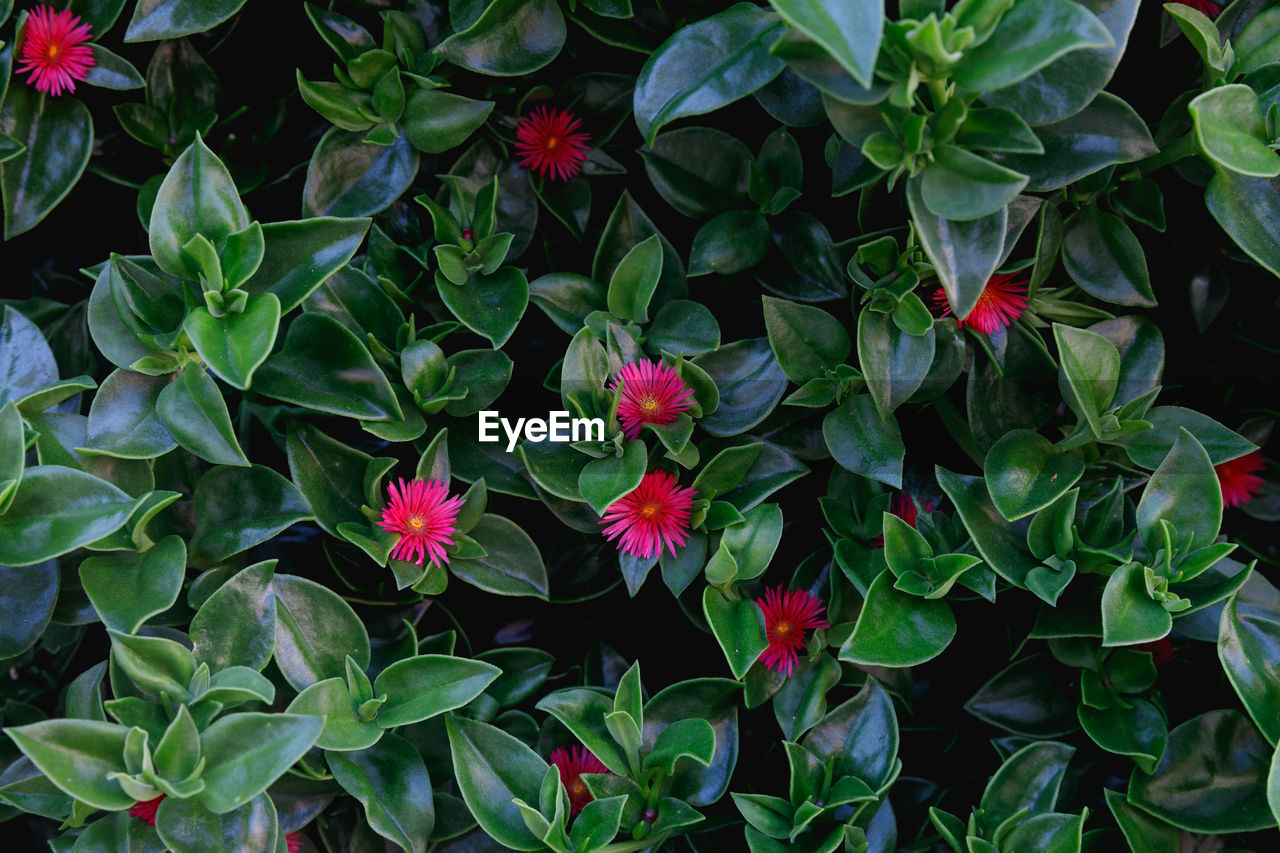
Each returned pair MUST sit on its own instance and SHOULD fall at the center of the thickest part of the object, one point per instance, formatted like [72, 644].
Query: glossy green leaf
[738, 626]
[714, 700]
[859, 737]
[315, 632]
[863, 443]
[1028, 37]
[1103, 256]
[187, 826]
[510, 38]
[57, 510]
[1090, 364]
[1231, 131]
[436, 121]
[58, 136]
[489, 305]
[1138, 731]
[965, 254]
[749, 382]
[390, 780]
[244, 753]
[77, 756]
[236, 345]
[1249, 638]
[806, 341]
[236, 508]
[1129, 614]
[850, 32]
[1030, 779]
[893, 362]
[705, 66]
[1184, 491]
[348, 177]
[492, 769]
[1002, 546]
[1150, 447]
[960, 186]
[128, 589]
[26, 362]
[1025, 473]
[426, 685]
[27, 598]
[734, 241]
[298, 256]
[897, 629]
[236, 624]
[700, 171]
[512, 564]
[170, 19]
[193, 410]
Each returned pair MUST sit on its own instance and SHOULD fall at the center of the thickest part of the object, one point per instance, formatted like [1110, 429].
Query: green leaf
[329, 474]
[197, 197]
[1250, 637]
[802, 700]
[123, 421]
[1212, 778]
[1103, 256]
[894, 363]
[489, 305]
[1257, 43]
[421, 687]
[1090, 365]
[315, 632]
[1245, 207]
[325, 367]
[57, 510]
[298, 256]
[965, 254]
[1030, 35]
[863, 443]
[582, 711]
[193, 410]
[1150, 447]
[635, 279]
[694, 739]
[58, 136]
[860, 737]
[714, 700]
[234, 346]
[187, 826]
[734, 241]
[245, 752]
[128, 589]
[236, 624]
[1025, 473]
[77, 756]
[436, 121]
[1026, 698]
[348, 177]
[343, 731]
[1029, 779]
[749, 382]
[512, 564]
[850, 32]
[28, 595]
[603, 481]
[700, 171]
[684, 328]
[170, 19]
[960, 185]
[1002, 546]
[1129, 614]
[390, 780]
[111, 71]
[492, 769]
[26, 362]
[1184, 491]
[1138, 731]
[1231, 131]
[738, 627]
[896, 629]
[509, 39]
[1105, 132]
[237, 508]
[705, 66]
[807, 341]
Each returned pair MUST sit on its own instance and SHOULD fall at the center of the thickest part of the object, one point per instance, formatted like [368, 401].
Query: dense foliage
[932, 352]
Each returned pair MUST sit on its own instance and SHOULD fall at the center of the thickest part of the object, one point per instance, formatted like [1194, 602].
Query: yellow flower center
[51, 51]
[578, 789]
[650, 404]
[649, 510]
[416, 523]
[783, 628]
[552, 142]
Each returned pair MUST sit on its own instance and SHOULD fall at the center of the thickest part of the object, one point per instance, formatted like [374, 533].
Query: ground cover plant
[619, 425]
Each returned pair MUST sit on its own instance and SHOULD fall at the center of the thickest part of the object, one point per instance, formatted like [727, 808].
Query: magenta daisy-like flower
[548, 142]
[654, 513]
[1002, 301]
[1239, 478]
[788, 616]
[573, 762]
[145, 810]
[293, 841]
[424, 515]
[55, 50]
[652, 393]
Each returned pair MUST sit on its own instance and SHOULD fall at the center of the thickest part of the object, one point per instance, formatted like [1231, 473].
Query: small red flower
[423, 514]
[1239, 478]
[654, 513]
[145, 810]
[1209, 10]
[1161, 650]
[652, 393]
[573, 763]
[293, 841]
[547, 143]
[904, 507]
[1002, 301]
[787, 616]
[54, 50]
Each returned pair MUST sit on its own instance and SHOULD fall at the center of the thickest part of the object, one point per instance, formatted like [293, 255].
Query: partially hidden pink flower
[548, 142]
[425, 516]
[653, 514]
[652, 393]
[573, 762]
[1209, 10]
[1239, 478]
[904, 507]
[293, 841]
[55, 50]
[788, 616]
[1002, 301]
[145, 810]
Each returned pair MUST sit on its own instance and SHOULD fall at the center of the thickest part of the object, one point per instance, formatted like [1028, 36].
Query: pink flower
[546, 143]
[904, 507]
[787, 616]
[1002, 301]
[1161, 650]
[1239, 478]
[655, 512]
[54, 50]
[1209, 10]
[423, 514]
[145, 810]
[652, 393]
[573, 763]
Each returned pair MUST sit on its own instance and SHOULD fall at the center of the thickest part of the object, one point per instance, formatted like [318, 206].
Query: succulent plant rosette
[620, 426]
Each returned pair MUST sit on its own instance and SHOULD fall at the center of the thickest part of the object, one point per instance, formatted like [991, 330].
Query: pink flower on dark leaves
[788, 616]
[652, 393]
[653, 514]
[145, 810]
[424, 515]
[1239, 478]
[573, 762]
[55, 50]
[548, 142]
[1002, 301]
